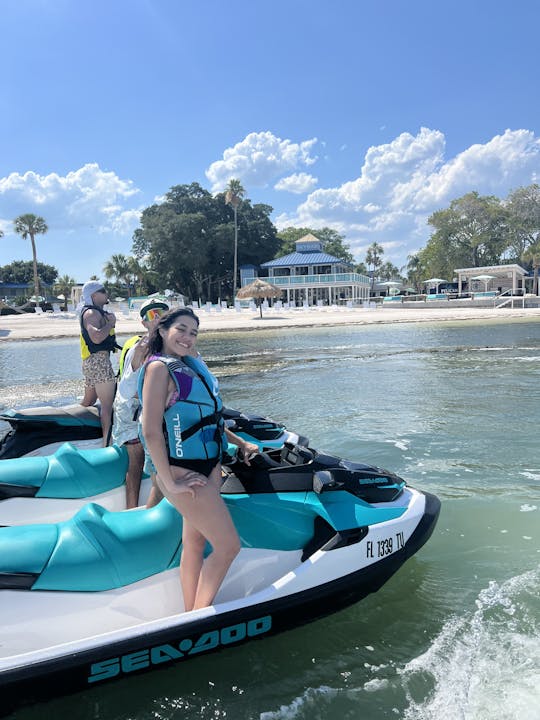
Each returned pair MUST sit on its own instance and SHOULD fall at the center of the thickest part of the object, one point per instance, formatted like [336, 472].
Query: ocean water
[455, 634]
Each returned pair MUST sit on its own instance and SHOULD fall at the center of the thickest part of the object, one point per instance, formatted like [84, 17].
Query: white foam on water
[528, 508]
[399, 444]
[376, 684]
[531, 475]
[302, 706]
[485, 665]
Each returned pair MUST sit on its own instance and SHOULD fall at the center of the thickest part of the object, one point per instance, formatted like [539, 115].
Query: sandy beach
[48, 326]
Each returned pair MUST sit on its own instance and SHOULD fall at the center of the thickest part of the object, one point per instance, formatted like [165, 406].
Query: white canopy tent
[514, 273]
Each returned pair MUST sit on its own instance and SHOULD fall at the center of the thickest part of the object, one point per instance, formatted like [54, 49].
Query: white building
[313, 276]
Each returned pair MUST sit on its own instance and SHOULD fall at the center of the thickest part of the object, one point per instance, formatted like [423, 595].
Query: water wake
[485, 666]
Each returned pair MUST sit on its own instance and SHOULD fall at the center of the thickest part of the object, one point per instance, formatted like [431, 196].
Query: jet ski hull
[293, 588]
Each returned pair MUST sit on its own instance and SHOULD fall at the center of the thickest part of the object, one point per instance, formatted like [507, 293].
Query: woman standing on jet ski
[183, 433]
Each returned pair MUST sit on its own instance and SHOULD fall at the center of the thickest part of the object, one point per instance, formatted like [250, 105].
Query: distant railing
[329, 279]
[508, 298]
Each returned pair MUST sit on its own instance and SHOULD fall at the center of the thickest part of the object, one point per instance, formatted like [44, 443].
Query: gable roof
[296, 258]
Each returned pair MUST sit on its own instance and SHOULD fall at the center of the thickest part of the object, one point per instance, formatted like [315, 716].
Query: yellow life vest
[125, 347]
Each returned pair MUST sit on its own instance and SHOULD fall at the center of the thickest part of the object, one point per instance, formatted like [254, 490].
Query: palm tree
[233, 196]
[119, 267]
[374, 259]
[30, 225]
[63, 287]
[414, 270]
[532, 255]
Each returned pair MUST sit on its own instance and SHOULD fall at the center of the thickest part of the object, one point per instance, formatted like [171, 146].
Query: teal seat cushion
[26, 548]
[114, 548]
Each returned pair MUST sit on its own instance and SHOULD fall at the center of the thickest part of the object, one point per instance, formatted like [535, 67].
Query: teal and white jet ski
[51, 488]
[98, 597]
[42, 430]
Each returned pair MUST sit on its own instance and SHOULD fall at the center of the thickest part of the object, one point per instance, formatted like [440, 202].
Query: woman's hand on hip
[188, 483]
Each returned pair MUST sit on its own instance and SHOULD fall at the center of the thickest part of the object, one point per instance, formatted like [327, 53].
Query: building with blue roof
[311, 275]
[11, 290]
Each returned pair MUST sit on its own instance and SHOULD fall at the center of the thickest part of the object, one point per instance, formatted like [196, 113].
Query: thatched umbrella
[259, 289]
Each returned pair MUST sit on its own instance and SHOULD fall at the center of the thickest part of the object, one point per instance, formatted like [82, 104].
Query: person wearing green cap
[126, 404]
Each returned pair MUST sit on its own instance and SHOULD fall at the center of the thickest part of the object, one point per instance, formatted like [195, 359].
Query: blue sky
[363, 115]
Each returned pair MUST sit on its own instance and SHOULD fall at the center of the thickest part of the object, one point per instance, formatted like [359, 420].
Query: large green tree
[30, 225]
[333, 242]
[532, 255]
[22, 271]
[472, 232]
[523, 206]
[188, 240]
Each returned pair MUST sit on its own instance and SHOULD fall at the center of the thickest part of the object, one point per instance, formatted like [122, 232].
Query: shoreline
[49, 327]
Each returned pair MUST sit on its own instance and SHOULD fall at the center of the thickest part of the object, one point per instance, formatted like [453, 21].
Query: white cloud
[297, 183]
[402, 182]
[259, 159]
[85, 198]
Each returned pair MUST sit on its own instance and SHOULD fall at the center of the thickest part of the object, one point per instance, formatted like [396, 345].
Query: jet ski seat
[115, 549]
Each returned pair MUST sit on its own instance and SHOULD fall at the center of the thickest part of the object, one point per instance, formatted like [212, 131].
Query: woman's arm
[249, 450]
[156, 390]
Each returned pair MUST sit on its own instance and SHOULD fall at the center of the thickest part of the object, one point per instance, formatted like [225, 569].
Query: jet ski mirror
[323, 480]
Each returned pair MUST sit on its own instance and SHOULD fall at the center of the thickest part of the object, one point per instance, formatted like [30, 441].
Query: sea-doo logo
[159, 654]
[177, 430]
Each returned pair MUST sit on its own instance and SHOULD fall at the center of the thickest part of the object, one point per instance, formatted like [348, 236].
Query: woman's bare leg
[191, 562]
[206, 517]
[155, 496]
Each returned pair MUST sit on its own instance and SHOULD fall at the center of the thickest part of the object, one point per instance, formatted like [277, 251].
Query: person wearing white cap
[126, 404]
[98, 339]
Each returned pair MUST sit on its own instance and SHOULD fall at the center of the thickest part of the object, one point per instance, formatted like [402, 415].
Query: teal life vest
[193, 426]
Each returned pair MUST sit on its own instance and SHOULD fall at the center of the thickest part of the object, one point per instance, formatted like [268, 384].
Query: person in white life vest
[126, 404]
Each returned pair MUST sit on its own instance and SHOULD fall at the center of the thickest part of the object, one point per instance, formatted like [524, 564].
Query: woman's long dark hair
[155, 341]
